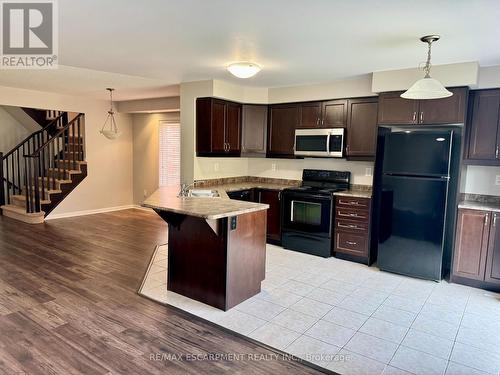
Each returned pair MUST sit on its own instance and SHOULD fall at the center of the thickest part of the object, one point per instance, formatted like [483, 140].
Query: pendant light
[427, 87]
[112, 131]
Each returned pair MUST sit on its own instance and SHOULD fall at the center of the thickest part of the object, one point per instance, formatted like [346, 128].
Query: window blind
[170, 154]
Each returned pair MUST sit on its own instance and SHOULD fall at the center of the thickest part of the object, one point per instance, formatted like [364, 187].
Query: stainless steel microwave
[327, 143]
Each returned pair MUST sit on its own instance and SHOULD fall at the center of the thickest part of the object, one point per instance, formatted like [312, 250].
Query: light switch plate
[497, 179]
[368, 172]
[274, 167]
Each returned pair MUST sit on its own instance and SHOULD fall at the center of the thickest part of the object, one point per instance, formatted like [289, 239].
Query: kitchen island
[216, 246]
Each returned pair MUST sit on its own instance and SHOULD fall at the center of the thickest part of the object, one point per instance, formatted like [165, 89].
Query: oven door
[307, 213]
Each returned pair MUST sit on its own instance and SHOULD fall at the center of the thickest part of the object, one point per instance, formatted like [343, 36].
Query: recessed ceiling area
[159, 43]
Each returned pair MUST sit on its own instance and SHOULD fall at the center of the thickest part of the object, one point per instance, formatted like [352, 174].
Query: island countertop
[166, 199]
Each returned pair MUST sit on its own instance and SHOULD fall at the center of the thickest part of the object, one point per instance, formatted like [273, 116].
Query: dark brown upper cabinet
[327, 114]
[310, 114]
[394, 110]
[254, 130]
[218, 127]
[282, 122]
[484, 126]
[334, 114]
[362, 127]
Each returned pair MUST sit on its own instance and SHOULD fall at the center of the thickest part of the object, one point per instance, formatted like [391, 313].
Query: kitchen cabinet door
[283, 119]
[444, 111]
[210, 126]
[471, 245]
[309, 114]
[395, 110]
[233, 128]
[254, 130]
[493, 259]
[362, 127]
[484, 126]
[334, 114]
[273, 199]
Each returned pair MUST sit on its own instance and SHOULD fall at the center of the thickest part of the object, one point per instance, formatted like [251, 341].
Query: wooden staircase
[42, 170]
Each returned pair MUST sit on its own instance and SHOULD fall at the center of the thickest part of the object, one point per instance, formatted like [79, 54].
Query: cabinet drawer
[361, 203]
[352, 214]
[351, 226]
[351, 243]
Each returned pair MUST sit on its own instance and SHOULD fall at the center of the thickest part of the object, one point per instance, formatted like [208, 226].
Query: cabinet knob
[422, 117]
[414, 116]
[351, 243]
[497, 151]
[317, 121]
[486, 219]
[494, 220]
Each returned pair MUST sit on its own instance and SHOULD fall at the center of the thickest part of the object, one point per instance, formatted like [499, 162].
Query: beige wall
[207, 168]
[11, 132]
[481, 180]
[109, 180]
[146, 151]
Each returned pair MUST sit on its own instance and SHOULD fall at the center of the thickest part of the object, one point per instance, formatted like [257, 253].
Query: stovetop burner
[322, 182]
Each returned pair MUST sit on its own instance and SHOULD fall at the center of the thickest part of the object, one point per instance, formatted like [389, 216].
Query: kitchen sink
[203, 193]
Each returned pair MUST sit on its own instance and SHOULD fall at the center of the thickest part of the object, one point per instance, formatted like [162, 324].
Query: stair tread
[70, 171]
[23, 197]
[57, 180]
[21, 211]
[50, 191]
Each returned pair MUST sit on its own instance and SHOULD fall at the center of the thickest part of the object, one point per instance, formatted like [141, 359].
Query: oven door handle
[328, 143]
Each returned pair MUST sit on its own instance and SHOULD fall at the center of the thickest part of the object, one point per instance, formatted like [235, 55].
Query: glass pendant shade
[426, 88]
[109, 129]
[243, 69]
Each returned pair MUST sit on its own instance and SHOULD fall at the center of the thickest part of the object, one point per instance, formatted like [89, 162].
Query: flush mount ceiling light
[111, 132]
[427, 87]
[243, 69]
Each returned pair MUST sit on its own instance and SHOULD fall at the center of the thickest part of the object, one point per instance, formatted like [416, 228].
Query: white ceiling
[295, 41]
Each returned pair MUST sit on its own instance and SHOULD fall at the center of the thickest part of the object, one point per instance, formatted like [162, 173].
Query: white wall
[11, 132]
[109, 180]
[481, 180]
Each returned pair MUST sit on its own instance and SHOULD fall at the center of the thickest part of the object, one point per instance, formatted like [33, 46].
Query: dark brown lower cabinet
[476, 260]
[352, 229]
[273, 199]
[493, 258]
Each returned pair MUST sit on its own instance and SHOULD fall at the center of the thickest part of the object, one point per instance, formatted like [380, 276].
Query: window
[170, 154]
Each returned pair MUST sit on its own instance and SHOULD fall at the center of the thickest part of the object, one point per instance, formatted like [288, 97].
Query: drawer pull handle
[352, 203]
[349, 226]
[351, 243]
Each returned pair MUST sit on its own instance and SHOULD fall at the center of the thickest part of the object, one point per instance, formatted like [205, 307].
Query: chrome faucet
[185, 190]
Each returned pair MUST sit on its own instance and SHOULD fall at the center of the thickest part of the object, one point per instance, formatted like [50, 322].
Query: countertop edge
[479, 206]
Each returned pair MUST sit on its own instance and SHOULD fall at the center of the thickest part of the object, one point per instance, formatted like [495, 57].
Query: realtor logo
[29, 34]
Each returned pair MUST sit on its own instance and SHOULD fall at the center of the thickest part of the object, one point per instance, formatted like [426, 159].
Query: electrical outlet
[216, 167]
[368, 172]
[274, 167]
[497, 179]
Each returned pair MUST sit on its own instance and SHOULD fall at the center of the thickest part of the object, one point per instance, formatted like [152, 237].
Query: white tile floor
[354, 319]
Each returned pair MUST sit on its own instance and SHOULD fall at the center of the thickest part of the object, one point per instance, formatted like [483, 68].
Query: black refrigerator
[415, 190]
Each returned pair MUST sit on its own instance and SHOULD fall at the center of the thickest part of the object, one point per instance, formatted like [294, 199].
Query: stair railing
[12, 164]
[52, 161]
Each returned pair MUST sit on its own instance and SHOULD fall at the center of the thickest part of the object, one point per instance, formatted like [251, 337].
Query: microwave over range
[327, 143]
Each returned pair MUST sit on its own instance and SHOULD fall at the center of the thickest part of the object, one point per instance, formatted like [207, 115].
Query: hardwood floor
[68, 304]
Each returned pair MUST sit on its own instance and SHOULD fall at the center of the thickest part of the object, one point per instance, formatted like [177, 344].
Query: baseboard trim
[92, 212]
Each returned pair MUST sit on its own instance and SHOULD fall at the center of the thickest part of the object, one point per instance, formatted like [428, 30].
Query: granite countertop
[355, 193]
[482, 206]
[249, 185]
[166, 199]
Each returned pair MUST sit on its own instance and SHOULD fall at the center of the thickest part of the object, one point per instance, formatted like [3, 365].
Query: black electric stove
[307, 211]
